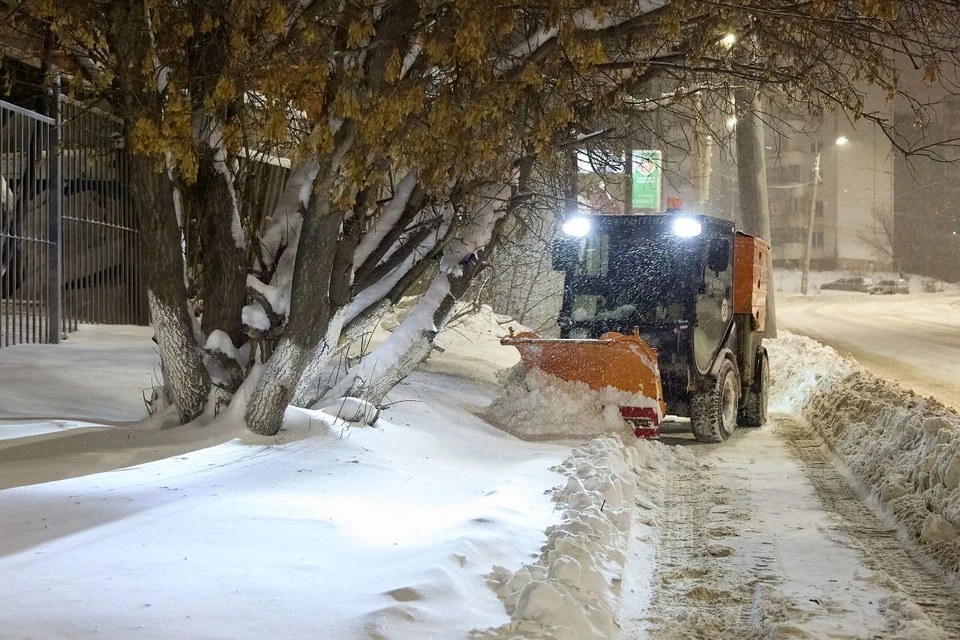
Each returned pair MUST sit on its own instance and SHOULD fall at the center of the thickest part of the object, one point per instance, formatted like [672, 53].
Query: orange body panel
[750, 276]
[614, 360]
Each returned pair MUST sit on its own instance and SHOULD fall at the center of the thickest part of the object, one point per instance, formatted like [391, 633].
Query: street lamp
[805, 278]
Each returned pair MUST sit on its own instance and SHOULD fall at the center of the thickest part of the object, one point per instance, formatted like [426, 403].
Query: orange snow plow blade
[614, 360]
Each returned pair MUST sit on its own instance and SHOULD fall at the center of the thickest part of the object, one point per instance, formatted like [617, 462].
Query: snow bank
[905, 447]
[537, 405]
[800, 368]
[572, 591]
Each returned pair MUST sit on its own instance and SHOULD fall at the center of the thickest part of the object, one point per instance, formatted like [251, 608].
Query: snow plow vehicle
[668, 309]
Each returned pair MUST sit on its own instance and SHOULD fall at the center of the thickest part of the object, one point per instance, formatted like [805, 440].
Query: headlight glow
[576, 227]
[686, 227]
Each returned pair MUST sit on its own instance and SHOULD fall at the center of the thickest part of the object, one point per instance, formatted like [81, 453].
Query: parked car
[852, 283]
[889, 287]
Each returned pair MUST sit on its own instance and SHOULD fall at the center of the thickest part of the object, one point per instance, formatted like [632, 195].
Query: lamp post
[805, 279]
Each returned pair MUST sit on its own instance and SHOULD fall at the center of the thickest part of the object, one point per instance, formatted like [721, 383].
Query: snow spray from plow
[625, 363]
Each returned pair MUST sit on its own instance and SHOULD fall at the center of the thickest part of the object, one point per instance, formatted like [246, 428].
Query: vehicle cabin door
[714, 302]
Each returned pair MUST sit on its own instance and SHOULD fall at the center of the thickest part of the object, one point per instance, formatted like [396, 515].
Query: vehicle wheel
[753, 413]
[713, 409]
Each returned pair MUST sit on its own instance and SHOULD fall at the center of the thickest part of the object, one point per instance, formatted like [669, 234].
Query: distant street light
[729, 40]
[805, 278]
[731, 122]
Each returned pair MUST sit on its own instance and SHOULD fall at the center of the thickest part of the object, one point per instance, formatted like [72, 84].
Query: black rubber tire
[754, 411]
[714, 408]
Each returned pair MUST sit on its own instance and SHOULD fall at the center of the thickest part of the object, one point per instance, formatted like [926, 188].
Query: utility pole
[628, 173]
[804, 280]
[701, 159]
[752, 178]
[571, 196]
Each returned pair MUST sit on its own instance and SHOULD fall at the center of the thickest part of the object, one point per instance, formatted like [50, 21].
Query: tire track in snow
[697, 594]
[880, 545]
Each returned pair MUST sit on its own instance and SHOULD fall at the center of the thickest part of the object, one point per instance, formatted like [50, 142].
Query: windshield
[645, 284]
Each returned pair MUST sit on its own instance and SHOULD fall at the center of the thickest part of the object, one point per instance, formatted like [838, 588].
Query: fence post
[54, 211]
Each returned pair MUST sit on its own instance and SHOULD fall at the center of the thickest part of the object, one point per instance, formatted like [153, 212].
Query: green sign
[647, 169]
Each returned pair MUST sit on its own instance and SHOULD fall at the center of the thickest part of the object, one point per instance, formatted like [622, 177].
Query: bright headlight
[686, 227]
[577, 227]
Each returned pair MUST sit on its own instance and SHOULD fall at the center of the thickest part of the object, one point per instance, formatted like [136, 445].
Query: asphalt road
[911, 339]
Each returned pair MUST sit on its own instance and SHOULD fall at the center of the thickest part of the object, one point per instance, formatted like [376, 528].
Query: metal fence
[70, 245]
[101, 238]
[29, 228]
[69, 235]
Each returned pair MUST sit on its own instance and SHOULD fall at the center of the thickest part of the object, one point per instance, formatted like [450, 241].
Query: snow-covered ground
[911, 339]
[772, 535]
[903, 447]
[433, 523]
[97, 374]
[837, 519]
[326, 532]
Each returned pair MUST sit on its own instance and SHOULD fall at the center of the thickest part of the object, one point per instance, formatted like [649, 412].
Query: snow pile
[904, 446]
[799, 368]
[909, 621]
[537, 405]
[572, 591]
[220, 342]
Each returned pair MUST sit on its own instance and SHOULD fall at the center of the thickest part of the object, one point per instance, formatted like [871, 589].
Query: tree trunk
[319, 294]
[131, 39]
[224, 261]
[180, 355]
[411, 343]
[341, 280]
[307, 331]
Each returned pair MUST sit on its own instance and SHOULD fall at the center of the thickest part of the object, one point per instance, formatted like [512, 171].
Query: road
[911, 339]
[767, 537]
